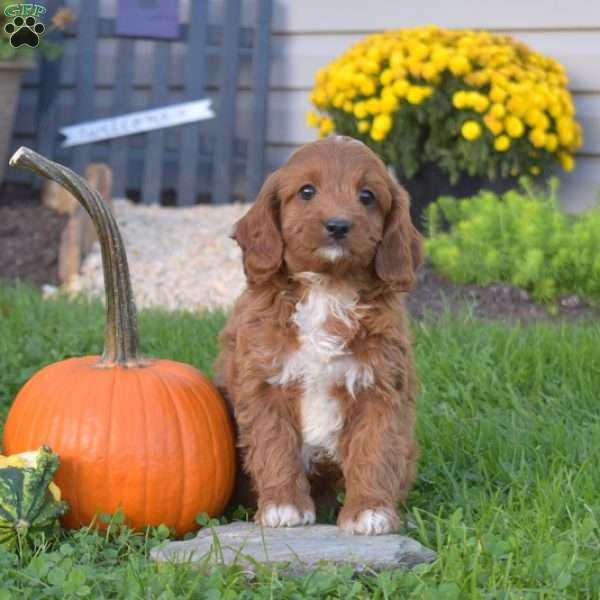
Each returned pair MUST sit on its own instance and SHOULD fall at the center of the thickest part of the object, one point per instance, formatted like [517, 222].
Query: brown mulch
[29, 236]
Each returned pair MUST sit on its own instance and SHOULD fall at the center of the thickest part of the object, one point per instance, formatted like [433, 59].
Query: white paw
[373, 521]
[285, 515]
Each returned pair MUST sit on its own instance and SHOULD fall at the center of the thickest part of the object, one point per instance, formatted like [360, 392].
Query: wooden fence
[103, 75]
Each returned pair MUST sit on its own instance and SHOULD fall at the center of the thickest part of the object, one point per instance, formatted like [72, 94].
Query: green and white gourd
[30, 503]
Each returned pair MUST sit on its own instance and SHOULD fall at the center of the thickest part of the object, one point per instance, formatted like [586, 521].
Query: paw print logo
[24, 32]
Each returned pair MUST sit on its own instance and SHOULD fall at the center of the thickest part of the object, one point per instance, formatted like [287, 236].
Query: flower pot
[431, 182]
[10, 83]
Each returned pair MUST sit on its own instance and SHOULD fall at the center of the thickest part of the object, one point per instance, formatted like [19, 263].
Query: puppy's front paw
[284, 515]
[372, 521]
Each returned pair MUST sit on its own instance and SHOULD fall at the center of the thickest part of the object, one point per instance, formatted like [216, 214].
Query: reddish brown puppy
[315, 358]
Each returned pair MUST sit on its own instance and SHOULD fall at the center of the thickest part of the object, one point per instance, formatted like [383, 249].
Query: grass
[508, 493]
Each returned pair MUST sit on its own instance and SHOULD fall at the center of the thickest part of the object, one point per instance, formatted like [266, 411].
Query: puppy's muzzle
[338, 228]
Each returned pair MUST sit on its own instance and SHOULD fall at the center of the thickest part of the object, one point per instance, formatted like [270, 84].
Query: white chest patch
[321, 362]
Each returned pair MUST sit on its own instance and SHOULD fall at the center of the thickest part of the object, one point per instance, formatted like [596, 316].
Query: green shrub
[521, 238]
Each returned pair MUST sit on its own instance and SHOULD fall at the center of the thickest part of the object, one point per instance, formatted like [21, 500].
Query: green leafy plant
[60, 19]
[521, 238]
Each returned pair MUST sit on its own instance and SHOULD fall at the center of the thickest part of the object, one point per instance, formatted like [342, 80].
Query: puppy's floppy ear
[258, 234]
[400, 251]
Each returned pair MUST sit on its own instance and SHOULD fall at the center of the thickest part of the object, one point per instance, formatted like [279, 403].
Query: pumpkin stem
[121, 339]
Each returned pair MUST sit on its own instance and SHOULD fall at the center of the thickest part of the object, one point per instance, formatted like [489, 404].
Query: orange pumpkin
[150, 437]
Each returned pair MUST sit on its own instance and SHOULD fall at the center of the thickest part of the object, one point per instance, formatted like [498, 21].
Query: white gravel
[179, 258]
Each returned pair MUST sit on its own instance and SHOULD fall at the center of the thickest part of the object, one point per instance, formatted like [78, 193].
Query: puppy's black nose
[338, 228]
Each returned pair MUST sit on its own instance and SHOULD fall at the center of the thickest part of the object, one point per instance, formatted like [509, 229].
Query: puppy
[315, 358]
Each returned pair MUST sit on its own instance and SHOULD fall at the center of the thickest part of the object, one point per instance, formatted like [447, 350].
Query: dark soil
[435, 294]
[29, 236]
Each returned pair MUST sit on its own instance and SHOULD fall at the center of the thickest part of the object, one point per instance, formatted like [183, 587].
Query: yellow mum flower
[388, 103]
[479, 78]
[568, 107]
[347, 74]
[555, 109]
[367, 88]
[514, 126]
[551, 142]
[566, 136]
[388, 92]
[497, 110]
[321, 76]
[538, 138]
[348, 106]
[373, 105]
[543, 122]
[440, 58]
[363, 126]
[567, 162]
[326, 127]
[566, 131]
[360, 110]
[386, 77]
[481, 103]
[502, 143]
[339, 100]
[494, 125]
[497, 94]
[319, 97]
[459, 64]
[399, 72]
[382, 123]
[430, 71]
[400, 87]
[459, 99]
[497, 78]
[415, 67]
[553, 79]
[415, 94]
[533, 117]
[396, 58]
[517, 106]
[419, 51]
[471, 98]
[358, 79]
[312, 118]
[374, 54]
[377, 134]
[539, 100]
[535, 170]
[471, 130]
[370, 67]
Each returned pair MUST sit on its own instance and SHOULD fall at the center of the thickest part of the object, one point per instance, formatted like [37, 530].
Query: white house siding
[308, 34]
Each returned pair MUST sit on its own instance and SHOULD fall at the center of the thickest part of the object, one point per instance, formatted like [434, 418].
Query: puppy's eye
[367, 197]
[307, 192]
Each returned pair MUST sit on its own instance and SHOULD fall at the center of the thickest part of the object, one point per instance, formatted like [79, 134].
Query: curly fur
[315, 358]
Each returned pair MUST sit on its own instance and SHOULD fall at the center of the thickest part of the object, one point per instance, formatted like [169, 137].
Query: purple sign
[148, 18]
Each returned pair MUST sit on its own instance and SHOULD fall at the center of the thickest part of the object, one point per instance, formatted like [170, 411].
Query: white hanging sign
[137, 122]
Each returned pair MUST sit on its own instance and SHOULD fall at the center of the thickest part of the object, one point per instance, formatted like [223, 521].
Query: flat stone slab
[302, 548]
